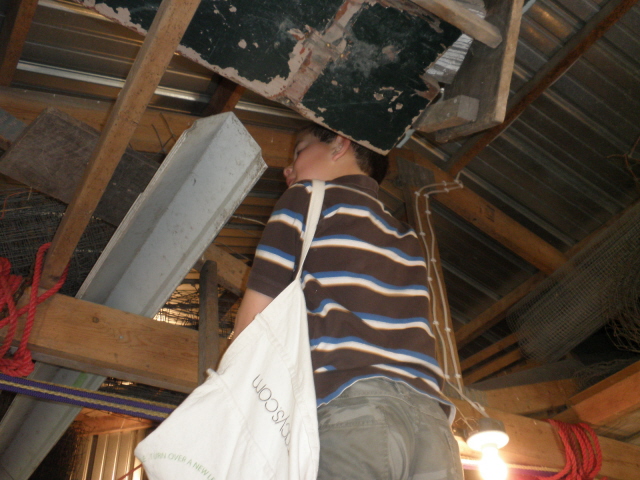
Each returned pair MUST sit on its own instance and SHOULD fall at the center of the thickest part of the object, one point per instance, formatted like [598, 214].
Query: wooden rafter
[154, 129]
[493, 366]
[607, 401]
[553, 69]
[488, 352]
[495, 313]
[225, 97]
[13, 37]
[531, 399]
[167, 29]
[492, 221]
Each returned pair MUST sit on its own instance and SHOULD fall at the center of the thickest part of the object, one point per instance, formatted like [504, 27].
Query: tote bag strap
[313, 215]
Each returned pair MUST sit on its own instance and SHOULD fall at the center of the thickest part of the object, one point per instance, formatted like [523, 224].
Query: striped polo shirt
[364, 282]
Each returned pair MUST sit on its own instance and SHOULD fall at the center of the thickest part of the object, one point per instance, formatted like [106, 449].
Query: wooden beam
[485, 73]
[493, 366]
[607, 401]
[467, 21]
[208, 326]
[553, 69]
[225, 97]
[535, 443]
[477, 211]
[13, 36]
[489, 352]
[155, 129]
[447, 114]
[496, 312]
[530, 399]
[165, 33]
[92, 338]
[236, 272]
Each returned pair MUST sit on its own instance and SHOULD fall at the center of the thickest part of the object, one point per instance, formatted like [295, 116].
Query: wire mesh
[29, 219]
[624, 328]
[582, 295]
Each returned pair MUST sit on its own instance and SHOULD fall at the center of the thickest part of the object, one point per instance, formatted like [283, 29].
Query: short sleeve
[278, 252]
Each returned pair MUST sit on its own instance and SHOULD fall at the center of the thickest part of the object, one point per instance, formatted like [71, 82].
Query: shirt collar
[361, 182]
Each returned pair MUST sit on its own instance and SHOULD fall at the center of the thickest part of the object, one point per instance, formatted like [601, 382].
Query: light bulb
[491, 466]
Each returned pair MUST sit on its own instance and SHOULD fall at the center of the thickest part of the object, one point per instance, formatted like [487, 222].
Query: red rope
[21, 365]
[582, 452]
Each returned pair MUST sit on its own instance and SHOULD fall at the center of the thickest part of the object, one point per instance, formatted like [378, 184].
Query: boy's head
[321, 154]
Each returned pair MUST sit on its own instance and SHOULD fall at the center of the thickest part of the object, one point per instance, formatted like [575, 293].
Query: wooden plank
[13, 36]
[208, 325]
[449, 113]
[167, 29]
[489, 352]
[52, 153]
[477, 211]
[493, 367]
[529, 399]
[607, 401]
[485, 73]
[236, 272]
[458, 16]
[553, 69]
[496, 312]
[225, 97]
[535, 443]
[155, 129]
[96, 339]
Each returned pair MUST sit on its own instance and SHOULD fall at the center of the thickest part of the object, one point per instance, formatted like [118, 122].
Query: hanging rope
[582, 453]
[20, 364]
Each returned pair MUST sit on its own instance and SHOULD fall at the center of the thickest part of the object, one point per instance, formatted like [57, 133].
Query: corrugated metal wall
[109, 456]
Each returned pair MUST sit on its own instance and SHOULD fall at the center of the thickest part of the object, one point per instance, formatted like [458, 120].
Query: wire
[436, 285]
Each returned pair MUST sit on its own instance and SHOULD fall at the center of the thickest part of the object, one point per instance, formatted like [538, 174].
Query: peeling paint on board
[356, 66]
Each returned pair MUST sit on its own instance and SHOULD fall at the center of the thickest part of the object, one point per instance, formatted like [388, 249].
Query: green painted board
[352, 65]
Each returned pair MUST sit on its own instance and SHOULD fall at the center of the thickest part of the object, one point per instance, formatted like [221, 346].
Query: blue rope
[87, 398]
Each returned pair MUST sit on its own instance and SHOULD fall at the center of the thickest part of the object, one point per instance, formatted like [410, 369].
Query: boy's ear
[340, 147]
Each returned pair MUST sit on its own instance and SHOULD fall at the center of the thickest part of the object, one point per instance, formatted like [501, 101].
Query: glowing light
[491, 466]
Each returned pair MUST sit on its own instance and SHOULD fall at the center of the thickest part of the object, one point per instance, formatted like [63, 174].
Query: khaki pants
[379, 429]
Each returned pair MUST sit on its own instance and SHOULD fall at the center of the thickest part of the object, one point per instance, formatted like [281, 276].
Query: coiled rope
[21, 364]
[582, 451]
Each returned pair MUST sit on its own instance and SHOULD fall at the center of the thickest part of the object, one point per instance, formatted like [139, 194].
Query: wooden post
[208, 343]
[165, 33]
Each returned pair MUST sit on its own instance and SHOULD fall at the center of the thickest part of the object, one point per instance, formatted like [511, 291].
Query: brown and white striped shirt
[365, 286]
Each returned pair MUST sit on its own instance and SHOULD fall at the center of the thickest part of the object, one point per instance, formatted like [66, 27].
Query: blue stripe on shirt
[360, 276]
[315, 342]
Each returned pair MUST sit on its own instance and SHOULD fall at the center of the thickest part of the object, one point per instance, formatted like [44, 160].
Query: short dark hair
[372, 163]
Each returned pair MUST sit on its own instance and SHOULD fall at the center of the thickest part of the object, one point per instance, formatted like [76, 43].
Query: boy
[380, 411]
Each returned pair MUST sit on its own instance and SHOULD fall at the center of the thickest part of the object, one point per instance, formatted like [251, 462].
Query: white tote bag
[255, 418]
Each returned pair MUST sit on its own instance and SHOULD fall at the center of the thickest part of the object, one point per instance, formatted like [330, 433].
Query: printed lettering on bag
[176, 457]
[271, 405]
